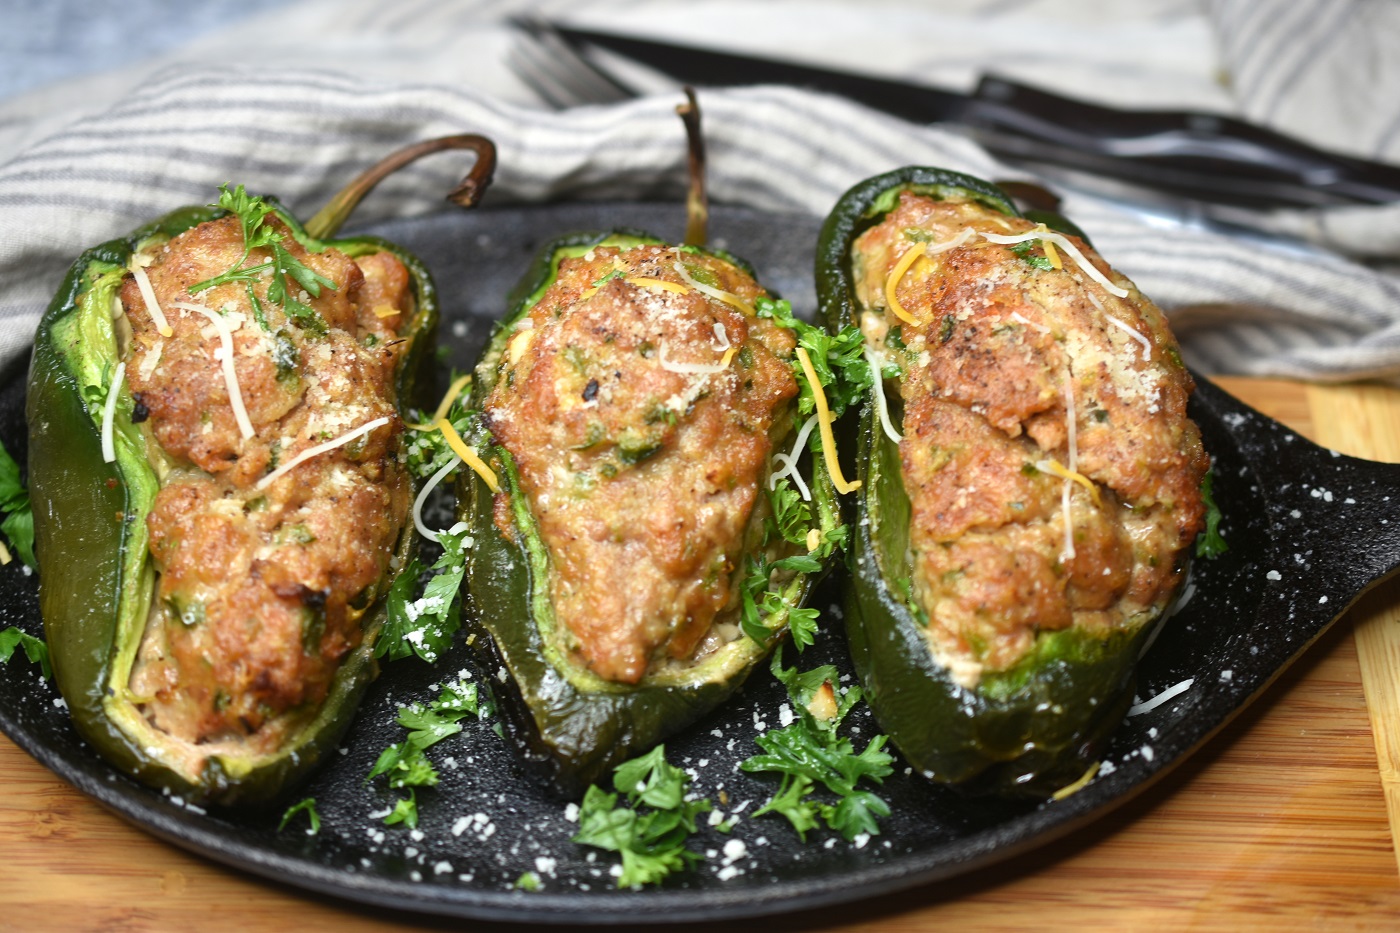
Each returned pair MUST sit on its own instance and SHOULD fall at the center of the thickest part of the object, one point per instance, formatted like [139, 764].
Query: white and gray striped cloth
[300, 99]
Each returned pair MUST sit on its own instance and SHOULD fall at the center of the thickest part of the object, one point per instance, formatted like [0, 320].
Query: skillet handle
[1332, 521]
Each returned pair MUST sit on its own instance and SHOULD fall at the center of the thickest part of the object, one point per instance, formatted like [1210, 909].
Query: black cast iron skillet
[1309, 531]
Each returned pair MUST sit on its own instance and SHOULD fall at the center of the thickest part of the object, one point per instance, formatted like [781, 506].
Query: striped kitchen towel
[70, 179]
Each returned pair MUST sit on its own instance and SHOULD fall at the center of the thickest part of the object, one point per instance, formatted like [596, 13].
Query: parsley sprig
[307, 806]
[18, 525]
[405, 763]
[1210, 543]
[650, 829]
[809, 752]
[252, 212]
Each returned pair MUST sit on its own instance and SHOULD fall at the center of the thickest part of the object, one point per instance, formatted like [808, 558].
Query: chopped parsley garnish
[1036, 261]
[405, 763]
[35, 649]
[650, 828]
[1210, 543]
[252, 212]
[758, 602]
[307, 806]
[809, 752]
[839, 363]
[425, 626]
[18, 525]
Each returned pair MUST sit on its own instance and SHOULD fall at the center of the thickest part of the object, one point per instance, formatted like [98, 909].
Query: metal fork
[566, 75]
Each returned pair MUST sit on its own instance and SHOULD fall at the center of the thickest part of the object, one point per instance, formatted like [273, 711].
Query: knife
[1201, 156]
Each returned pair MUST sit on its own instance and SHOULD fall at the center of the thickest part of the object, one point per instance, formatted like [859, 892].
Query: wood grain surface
[1280, 822]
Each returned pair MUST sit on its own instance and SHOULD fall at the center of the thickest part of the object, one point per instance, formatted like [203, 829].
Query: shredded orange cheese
[1058, 469]
[469, 456]
[901, 268]
[383, 311]
[833, 465]
[642, 281]
[1046, 238]
[454, 390]
[719, 294]
[1078, 785]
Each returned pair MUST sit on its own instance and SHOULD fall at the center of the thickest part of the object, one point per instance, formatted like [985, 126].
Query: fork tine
[558, 71]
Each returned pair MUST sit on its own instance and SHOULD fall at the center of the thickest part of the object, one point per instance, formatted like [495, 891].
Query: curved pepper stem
[330, 218]
[697, 206]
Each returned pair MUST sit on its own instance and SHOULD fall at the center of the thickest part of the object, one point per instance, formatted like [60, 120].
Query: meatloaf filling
[639, 400]
[262, 577]
[1053, 475]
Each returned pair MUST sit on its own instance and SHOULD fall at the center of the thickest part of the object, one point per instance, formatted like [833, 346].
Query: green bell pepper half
[97, 581]
[571, 726]
[1026, 731]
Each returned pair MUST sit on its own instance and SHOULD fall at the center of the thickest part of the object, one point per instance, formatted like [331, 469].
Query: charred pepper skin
[93, 573]
[1026, 731]
[570, 727]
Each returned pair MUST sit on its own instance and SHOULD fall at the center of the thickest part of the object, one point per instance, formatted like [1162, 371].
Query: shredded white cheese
[235, 392]
[148, 295]
[1146, 344]
[151, 360]
[1067, 552]
[1063, 243]
[1018, 316]
[878, 383]
[109, 450]
[428, 487]
[319, 449]
[788, 461]
[728, 298]
[1147, 706]
[694, 369]
[721, 338]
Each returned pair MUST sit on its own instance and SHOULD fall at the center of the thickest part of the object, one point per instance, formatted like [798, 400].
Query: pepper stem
[697, 206]
[330, 218]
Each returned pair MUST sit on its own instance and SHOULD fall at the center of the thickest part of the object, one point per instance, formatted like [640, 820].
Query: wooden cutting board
[1283, 820]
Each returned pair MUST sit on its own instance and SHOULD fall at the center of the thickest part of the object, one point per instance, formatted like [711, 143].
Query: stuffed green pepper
[657, 507]
[1030, 479]
[219, 488]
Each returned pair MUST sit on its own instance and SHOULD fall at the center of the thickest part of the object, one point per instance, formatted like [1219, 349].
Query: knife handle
[1236, 158]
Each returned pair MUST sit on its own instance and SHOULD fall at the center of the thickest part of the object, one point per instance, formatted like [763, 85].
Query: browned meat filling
[260, 589]
[639, 412]
[1053, 474]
